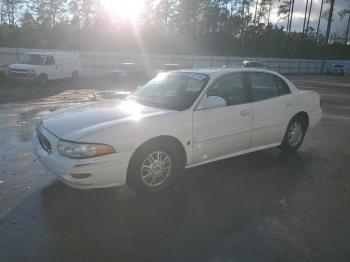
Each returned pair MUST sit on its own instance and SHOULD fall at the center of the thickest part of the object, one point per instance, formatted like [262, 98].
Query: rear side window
[263, 86]
[282, 86]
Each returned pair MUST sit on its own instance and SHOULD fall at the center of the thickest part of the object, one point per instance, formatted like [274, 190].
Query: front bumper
[104, 171]
[314, 118]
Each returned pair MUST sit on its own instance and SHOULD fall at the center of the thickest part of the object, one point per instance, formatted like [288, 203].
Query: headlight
[81, 150]
[32, 71]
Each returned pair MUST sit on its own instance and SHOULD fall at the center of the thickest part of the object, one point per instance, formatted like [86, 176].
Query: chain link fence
[99, 63]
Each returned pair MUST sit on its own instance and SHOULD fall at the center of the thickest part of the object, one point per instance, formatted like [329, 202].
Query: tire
[145, 176]
[42, 80]
[294, 135]
[75, 76]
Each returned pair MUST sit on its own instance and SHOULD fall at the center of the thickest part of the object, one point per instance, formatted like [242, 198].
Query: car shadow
[222, 202]
[213, 201]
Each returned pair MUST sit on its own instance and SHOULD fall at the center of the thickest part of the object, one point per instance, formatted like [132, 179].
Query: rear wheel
[152, 169]
[294, 135]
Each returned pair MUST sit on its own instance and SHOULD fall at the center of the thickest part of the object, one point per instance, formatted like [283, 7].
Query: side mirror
[211, 102]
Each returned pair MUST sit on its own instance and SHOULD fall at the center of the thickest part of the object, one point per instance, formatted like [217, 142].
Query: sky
[338, 26]
[132, 9]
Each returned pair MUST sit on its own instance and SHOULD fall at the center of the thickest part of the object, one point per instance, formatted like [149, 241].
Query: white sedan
[178, 120]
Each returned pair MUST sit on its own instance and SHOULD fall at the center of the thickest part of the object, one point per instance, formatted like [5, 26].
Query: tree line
[205, 27]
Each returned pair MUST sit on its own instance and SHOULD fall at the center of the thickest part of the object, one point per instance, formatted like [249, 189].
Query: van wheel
[42, 80]
[153, 169]
[75, 76]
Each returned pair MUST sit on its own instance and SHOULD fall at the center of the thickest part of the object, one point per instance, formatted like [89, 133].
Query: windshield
[174, 90]
[32, 59]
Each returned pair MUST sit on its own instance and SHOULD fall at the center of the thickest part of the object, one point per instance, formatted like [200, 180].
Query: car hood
[79, 121]
[22, 66]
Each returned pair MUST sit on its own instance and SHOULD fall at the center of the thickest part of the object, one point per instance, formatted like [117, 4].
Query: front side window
[263, 86]
[173, 90]
[231, 88]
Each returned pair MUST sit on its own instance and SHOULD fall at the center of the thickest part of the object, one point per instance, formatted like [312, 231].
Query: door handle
[289, 103]
[244, 113]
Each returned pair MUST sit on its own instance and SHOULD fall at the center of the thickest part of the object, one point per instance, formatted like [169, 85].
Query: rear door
[225, 130]
[272, 106]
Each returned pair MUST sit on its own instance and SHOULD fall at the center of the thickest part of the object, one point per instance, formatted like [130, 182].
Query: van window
[32, 59]
[49, 60]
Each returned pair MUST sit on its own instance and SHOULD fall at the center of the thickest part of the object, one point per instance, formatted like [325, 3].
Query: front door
[225, 130]
[50, 67]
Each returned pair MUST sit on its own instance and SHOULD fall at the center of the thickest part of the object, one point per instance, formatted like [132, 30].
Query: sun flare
[129, 9]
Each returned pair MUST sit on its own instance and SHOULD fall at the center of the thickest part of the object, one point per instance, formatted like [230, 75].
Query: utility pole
[290, 7]
[291, 18]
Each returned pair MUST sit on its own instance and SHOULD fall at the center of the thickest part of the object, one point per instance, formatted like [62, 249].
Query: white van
[42, 67]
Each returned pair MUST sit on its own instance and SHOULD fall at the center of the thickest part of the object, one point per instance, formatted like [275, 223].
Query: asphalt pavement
[263, 206]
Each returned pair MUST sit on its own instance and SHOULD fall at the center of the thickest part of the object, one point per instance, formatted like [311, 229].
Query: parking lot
[264, 206]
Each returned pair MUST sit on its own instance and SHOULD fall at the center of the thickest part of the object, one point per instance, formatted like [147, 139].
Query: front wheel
[294, 135]
[42, 80]
[152, 169]
[75, 76]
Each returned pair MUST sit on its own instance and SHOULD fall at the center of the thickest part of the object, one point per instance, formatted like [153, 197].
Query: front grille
[19, 70]
[43, 141]
[20, 74]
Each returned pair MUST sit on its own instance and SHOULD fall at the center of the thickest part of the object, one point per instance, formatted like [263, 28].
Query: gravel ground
[264, 206]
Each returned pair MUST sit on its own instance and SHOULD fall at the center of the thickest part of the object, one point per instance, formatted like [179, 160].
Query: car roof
[214, 72]
[50, 53]
[252, 61]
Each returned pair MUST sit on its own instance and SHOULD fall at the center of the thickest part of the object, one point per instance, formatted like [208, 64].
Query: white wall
[98, 63]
